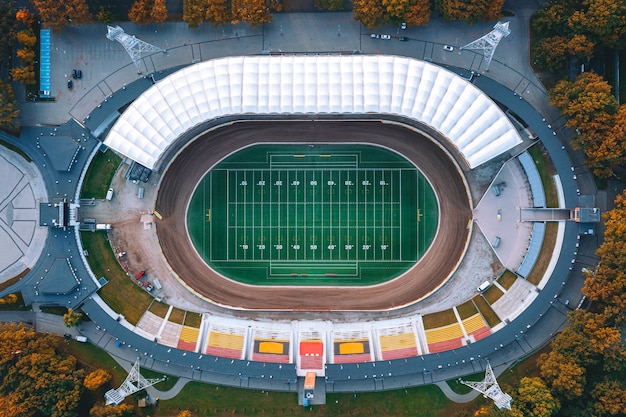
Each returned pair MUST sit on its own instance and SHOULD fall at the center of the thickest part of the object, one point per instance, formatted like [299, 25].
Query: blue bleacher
[44, 63]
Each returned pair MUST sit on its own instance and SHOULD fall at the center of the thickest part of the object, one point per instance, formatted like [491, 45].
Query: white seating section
[356, 84]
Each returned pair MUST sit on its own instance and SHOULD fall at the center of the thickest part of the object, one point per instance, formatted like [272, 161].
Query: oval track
[188, 168]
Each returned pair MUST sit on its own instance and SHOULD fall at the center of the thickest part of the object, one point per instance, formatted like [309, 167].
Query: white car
[385, 36]
[448, 48]
[403, 26]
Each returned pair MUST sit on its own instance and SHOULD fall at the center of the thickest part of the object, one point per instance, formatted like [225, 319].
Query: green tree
[72, 318]
[9, 112]
[329, 5]
[105, 16]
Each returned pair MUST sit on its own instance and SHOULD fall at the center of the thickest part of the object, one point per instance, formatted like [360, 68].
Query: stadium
[333, 132]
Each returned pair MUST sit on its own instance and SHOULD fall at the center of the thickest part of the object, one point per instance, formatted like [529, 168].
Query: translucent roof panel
[355, 84]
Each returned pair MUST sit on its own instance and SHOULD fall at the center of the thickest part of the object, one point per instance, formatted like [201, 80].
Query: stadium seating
[188, 338]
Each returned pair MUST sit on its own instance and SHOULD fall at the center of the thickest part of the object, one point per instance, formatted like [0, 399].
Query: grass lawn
[507, 279]
[159, 309]
[545, 256]
[210, 400]
[177, 316]
[193, 319]
[466, 310]
[99, 175]
[10, 303]
[438, 319]
[546, 171]
[121, 293]
[485, 309]
[493, 294]
[15, 149]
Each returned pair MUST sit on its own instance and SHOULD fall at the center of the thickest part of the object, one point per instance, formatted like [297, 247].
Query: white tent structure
[355, 84]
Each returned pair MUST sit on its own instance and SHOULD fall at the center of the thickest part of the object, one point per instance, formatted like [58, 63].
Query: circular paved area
[21, 237]
[434, 268]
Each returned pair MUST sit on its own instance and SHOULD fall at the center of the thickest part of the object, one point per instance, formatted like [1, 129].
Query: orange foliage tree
[140, 12]
[369, 12]
[470, 10]
[57, 14]
[158, 14]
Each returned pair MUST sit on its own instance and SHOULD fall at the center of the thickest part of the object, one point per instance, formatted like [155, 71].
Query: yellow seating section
[189, 334]
[397, 341]
[443, 334]
[226, 341]
[351, 348]
[474, 323]
[272, 347]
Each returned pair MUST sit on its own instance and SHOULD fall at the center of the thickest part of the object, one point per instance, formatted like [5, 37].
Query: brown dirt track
[428, 274]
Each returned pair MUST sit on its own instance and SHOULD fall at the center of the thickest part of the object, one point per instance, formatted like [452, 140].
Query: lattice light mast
[134, 382]
[490, 389]
[135, 47]
[489, 42]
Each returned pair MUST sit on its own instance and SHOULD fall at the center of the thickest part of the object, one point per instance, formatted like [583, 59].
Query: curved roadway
[440, 261]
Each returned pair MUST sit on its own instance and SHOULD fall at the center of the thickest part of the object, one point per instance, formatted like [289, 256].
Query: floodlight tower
[135, 47]
[489, 42]
[490, 389]
[134, 382]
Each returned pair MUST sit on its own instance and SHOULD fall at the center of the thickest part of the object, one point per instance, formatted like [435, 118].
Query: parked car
[375, 35]
[77, 74]
[403, 38]
[70, 84]
[385, 36]
[448, 48]
[403, 25]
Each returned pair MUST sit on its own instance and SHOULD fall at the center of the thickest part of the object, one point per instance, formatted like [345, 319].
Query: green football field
[312, 215]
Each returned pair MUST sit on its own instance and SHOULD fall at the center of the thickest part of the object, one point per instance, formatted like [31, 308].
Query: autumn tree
[24, 75]
[195, 12]
[369, 12]
[27, 38]
[158, 14]
[594, 113]
[604, 20]
[534, 399]
[25, 16]
[184, 413]
[418, 13]
[119, 410]
[609, 398]
[470, 10]
[96, 379]
[140, 12]
[253, 12]
[57, 14]
[9, 111]
[550, 53]
[395, 9]
[72, 318]
[606, 286]
[217, 12]
[35, 379]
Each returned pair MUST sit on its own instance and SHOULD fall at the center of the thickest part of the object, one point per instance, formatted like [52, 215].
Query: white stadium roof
[355, 84]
